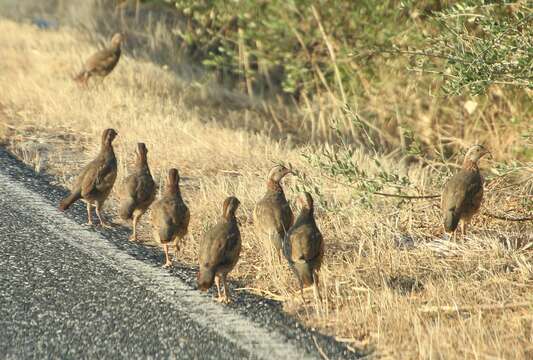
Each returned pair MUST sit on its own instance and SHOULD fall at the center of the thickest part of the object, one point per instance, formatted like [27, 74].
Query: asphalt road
[69, 291]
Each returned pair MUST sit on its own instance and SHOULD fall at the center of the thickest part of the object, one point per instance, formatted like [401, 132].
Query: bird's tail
[304, 272]
[126, 210]
[69, 200]
[205, 278]
[451, 220]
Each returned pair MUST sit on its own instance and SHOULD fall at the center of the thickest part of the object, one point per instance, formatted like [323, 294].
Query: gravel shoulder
[72, 291]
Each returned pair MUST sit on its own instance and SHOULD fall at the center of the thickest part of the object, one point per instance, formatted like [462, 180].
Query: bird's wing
[144, 188]
[454, 192]
[460, 190]
[131, 186]
[101, 60]
[303, 244]
[98, 173]
[287, 216]
[213, 246]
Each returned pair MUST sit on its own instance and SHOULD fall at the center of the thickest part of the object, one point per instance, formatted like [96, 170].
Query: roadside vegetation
[360, 97]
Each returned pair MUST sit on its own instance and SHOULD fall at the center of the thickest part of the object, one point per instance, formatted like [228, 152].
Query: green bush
[481, 43]
[298, 45]
[309, 46]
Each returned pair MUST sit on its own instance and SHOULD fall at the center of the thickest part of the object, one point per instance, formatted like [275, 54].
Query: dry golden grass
[436, 299]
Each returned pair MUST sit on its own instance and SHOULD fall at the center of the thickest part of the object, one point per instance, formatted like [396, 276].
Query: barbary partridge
[273, 215]
[170, 216]
[102, 62]
[138, 192]
[463, 192]
[220, 250]
[304, 245]
[96, 179]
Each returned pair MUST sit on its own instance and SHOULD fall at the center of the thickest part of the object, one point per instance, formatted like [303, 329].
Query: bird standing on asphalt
[463, 192]
[96, 180]
[102, 62]
[273, 215]
[138, 192]
[170, 216]
[220, 250]
[304, 246]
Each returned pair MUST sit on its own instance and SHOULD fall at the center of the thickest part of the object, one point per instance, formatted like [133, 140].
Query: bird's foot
[132, 238]
[89, 223]
[167, 264]
[224, 300]
[106, 225]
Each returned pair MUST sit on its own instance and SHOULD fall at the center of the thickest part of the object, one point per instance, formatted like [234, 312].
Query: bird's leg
[176, 248]
[227, 292]
[133, 236]
[168, 263]
[217, 283]
[302, 290]
[89, 214]
[464, 225]
[316, 289]
[103, 223]
[280, 255]
[318, 299]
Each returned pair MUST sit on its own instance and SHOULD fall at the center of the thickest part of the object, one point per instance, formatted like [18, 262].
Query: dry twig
[486, 307]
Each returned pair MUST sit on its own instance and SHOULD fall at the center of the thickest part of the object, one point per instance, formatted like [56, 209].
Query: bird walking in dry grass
[96, 179]
[304, 246]
[220, 250]
[463, 192]
[273, 215]
[102, 62]
[170, 217]
[138, 192]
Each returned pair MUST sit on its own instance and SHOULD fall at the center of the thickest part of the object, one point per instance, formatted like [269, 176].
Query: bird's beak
[489, 154]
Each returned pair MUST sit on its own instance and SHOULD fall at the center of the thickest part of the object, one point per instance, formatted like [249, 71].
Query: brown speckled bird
[273, 215]
[96, 179]
[170, 216]
[138, 192]
[102, 62]
[220, 250]
[463, 192]
[304, 246]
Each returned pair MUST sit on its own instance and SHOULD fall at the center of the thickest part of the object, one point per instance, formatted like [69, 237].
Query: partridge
[220, 250]
[463, 192]
[273, 215]
[96, 179]
[138, 192]
[102, 62]
[304, 246]
[170, 216]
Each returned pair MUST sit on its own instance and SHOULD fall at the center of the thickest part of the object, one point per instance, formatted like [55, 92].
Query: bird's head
[117, 39]
[205, 277]
[108, 136]
[231, 204]
[475, 153]
[141, 151]
[173, 180]
[305, 201]
[278, 172]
